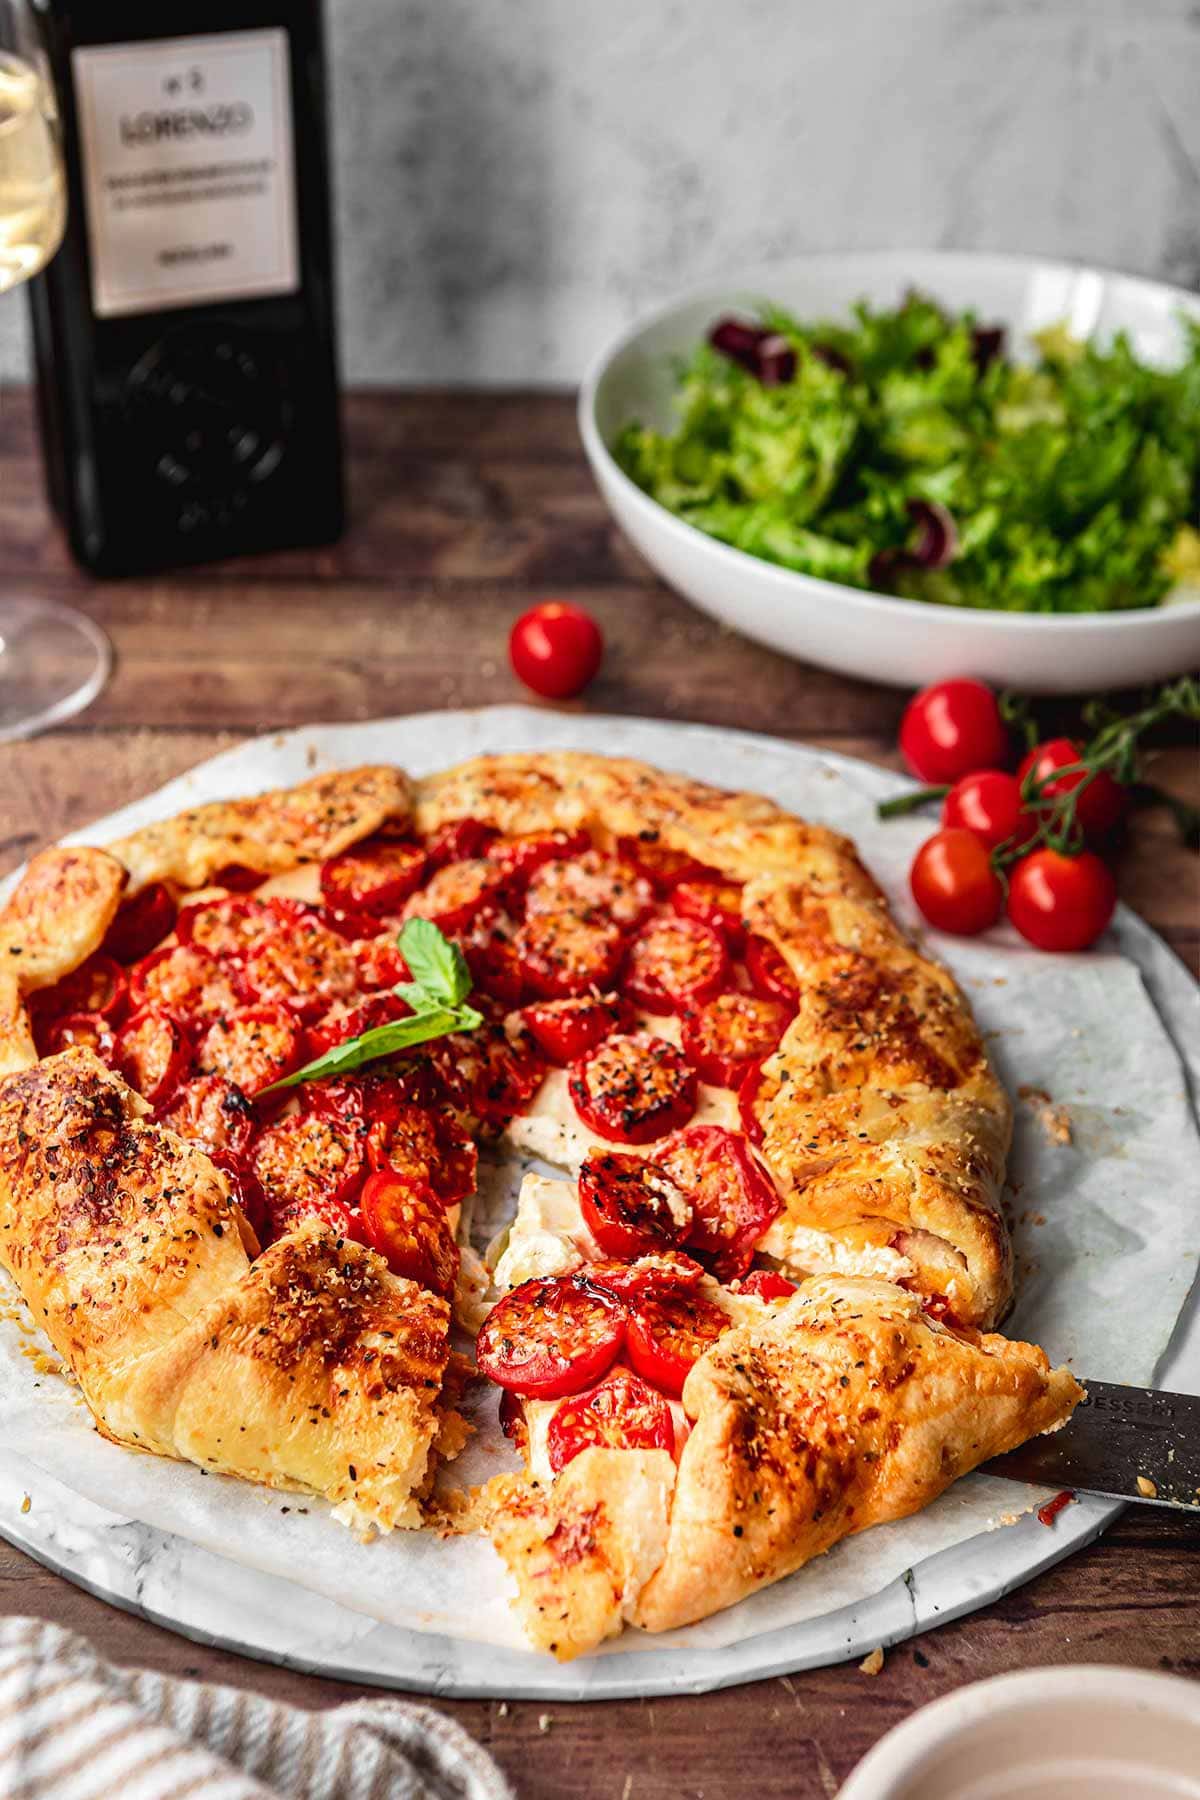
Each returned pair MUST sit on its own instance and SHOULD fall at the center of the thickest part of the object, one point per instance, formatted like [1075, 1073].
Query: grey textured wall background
[517, 177]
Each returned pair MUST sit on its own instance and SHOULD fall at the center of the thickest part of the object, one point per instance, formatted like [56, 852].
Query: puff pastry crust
[311, 1366]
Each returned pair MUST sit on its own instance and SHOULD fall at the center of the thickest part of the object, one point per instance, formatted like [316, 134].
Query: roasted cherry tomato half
[714, 903]
[724, 1038]
[675, 963]
[660, 864]
[457, 893]
[565, 1030]
[1061, 902]
[555, 649]
[1101, 801]
[769, 972]
[233, 925]
[568, 953]
[490, 1073]
[521, 856]
[418, 1142]
[954, 884]
[630, 1206]
[253, 1048]
[184, 980]
[377, 876]
[497, 970]
[591, 884]
[284, 1216]
[100, 985]
[211, 1111]
[306, 967]
[308, 1156]
[748, 1089]
[988, 804]
[379, 962]
[551, 1336]
[733, 1199]
[243, 1188]
[77, 1031]
[666, 1333]
[664, 1272]
[633, 1088]
[153, 1052]
[343, 1022]
[951, 729]
[458, 840]
[764, 1284]
[620, 1413]
[141, 924]
[404, 1220]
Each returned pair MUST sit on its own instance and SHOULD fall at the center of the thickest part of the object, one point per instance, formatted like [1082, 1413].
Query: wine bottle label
[188, 170]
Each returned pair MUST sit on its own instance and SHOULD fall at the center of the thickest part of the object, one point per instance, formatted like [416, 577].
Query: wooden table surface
[466, 509]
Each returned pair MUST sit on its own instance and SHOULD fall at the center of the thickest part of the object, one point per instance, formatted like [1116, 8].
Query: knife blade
[1127, 1443]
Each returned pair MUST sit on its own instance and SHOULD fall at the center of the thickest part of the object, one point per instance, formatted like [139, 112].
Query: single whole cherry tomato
[667, 1333]
[555, 649]
[551, 1336]
[724, 1038]
[954, 883]
[621, 1413]
[630, 1206]
[674, 963]
[633, 1088]
[733, 1198]
[1100, 804]
[951, 729]
[565, 1030]
[988, 804]
[1061, 902]
[404, 1220]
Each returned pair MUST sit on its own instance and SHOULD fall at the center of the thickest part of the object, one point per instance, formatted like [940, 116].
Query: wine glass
[53, 660]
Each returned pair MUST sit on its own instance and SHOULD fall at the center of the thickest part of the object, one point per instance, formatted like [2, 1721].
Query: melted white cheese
[547, 1235]
[806, 1251]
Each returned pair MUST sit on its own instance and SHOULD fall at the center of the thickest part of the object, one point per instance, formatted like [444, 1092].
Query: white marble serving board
[191, 1552]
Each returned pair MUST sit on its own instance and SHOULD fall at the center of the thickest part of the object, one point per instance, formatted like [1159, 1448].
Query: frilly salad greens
[905, 452]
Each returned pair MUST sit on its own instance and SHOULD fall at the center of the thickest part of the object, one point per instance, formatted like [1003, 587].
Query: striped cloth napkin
[73, 1727]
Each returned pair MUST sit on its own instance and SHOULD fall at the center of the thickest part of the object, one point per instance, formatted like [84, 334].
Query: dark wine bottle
[185, 332]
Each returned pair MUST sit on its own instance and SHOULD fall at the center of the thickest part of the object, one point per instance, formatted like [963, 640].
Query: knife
[1126, 1443]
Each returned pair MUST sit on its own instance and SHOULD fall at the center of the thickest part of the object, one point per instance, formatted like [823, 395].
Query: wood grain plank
[468, 508]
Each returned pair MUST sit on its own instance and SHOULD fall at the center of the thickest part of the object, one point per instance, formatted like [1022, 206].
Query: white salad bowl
[877, 636]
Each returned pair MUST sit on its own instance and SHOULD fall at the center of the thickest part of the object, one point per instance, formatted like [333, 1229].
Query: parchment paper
[1106, 1224]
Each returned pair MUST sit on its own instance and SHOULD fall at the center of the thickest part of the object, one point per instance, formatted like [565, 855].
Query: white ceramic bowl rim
[901, 1755]
[733, 559]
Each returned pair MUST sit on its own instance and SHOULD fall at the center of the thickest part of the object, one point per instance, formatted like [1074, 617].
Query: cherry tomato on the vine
[1100, 804]
[988, 803]
[952, 729]
[555, 649]
[954, 884]
[1061, 902]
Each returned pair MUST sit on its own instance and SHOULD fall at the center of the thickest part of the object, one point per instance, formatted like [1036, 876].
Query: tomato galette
[752, 1314]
